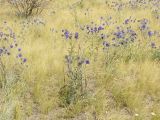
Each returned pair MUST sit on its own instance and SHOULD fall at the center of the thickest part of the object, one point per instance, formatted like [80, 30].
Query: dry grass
[120, 91]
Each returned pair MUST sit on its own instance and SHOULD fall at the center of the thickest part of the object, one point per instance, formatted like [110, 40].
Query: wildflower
[11, 46]
[100, 28]
[76, 35]
[87, 61]
[66, 34]
[20, 55]
[19, 49]
[106, 44]
[24, 60]
[126, 21]
[120, 34]
[143, 24]
[150, 33]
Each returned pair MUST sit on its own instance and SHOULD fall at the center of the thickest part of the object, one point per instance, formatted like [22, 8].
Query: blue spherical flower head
[19, 49]
[66, 33]
[150, 33]
[126, 21]
[87, 62]
[100, 28]
[120, 34]
[11, 46]
[24, 60]
[76, 35]
[1, 51]
[20, 55]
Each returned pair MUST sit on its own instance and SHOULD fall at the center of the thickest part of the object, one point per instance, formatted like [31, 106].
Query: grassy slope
[120, 90]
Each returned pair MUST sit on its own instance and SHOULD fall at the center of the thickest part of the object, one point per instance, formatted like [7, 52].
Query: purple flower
[126, 21]
[66, 33]
[76, 35]
[19, 49]
[11, 46]
[9, 42]
[120, 34]
[150, 33]
[106, 44]
[1, 51]
[100, 28]
[24, 60]
[20, 55]
[144, 24]
[87, 61]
